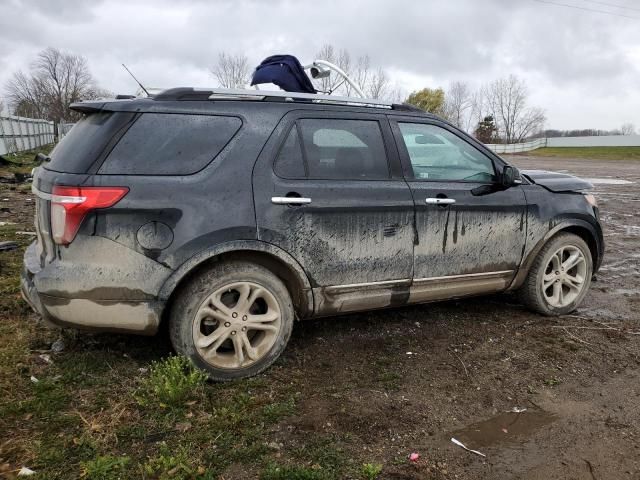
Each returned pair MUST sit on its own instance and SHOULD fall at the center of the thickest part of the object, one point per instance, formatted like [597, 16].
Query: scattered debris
[183, 426]
[31, 234]
[57, 346]
[414, 457]
[460, 444]
[34, 379]
[518, 410]
[6, 246]
[2, 224]
[409, 353]
[45, 358]
[25, 472]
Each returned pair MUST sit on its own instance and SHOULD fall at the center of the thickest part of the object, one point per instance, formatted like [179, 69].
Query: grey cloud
[176, 42]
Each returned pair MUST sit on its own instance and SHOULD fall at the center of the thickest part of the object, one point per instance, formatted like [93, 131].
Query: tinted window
[344, 149]
[170, 144]
[290, 163]
[79, 148]
[437, 154]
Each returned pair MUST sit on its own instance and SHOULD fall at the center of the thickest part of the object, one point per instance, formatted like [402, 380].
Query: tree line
[496, 112]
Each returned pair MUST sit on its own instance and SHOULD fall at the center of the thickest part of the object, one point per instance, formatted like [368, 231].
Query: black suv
[228, 214]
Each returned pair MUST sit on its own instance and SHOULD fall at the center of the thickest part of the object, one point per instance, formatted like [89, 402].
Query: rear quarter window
[84, 143]
[170, 144]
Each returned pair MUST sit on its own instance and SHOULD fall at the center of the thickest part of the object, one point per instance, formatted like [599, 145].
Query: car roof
[185, 99]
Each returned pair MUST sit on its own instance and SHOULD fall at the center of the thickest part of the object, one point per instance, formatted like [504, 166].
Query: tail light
[69, 206]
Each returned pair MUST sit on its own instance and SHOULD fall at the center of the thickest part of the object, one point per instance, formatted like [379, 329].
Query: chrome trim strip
[405, 282]
[467, 276]
[56, 198]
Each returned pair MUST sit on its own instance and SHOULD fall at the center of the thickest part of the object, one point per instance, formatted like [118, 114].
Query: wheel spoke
[574, 283]
[251, 352]
[264, 318]
[216, 338]
[548, 280]
[574, 259]
[207, 312]
[238, 347]
[554, 299]
[217, 303]
[244, 289]
[261, 326]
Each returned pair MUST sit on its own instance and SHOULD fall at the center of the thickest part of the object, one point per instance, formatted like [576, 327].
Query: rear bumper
[113, 315]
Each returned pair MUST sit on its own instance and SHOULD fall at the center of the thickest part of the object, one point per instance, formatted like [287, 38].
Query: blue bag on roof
[284, 71]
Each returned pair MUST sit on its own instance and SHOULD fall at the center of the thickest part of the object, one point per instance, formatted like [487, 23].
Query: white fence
[518, 147]
[63, 129]
[596, 141]
[19, 133]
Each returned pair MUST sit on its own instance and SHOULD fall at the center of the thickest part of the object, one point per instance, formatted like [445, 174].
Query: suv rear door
[468, 241]
[330, 192]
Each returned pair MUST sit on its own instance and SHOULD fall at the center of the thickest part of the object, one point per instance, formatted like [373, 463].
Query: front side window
[437, 154]
[343, 149]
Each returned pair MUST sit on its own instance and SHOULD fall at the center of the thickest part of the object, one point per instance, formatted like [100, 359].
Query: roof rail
[220, 93]
[184, 93]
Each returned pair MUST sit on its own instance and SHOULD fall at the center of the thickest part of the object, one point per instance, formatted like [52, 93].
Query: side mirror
[510, 176]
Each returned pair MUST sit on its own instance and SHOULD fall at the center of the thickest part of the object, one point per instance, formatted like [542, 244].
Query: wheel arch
[283, 265]
[585, 230]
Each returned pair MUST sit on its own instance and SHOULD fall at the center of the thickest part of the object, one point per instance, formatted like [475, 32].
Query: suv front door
[471, 231]
[330, 192]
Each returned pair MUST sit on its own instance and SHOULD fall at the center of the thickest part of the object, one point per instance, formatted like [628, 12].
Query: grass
[22, 162]
[595, 153]
[119, 407]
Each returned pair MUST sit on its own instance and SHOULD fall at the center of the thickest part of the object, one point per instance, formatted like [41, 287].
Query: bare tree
[231, 71]
[55, 81]
[378, 85]
[506, 101]
[457, 104]
[628, 129]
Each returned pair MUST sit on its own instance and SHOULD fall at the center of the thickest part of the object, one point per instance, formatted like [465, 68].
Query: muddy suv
[227, 215]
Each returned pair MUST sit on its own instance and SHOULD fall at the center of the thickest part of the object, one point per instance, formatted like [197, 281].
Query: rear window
[170, 144]
[81, 147]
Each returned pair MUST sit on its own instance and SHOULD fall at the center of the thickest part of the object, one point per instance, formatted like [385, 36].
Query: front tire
[233, 320]
[559, 277]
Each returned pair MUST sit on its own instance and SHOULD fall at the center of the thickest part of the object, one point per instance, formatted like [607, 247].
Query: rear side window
[84, 143]
[170, 144]
[344, 149]
[333, 149]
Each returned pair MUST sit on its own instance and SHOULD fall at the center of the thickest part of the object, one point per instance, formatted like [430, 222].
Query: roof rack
[183, 93]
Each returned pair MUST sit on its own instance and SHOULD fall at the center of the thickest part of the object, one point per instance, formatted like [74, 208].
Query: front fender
[560, 224]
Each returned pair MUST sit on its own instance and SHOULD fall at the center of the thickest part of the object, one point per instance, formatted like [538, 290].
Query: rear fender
[240, 246]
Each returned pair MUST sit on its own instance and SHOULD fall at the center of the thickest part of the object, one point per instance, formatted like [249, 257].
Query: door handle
[290, 200]
[440, 201]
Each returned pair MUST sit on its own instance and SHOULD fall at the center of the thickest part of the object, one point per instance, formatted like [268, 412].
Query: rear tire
[560, 276]
[233, 320]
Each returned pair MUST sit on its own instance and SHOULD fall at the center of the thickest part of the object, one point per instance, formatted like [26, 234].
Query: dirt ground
[379, 386]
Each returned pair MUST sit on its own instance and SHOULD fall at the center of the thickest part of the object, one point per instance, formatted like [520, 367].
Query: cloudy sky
[582, 65]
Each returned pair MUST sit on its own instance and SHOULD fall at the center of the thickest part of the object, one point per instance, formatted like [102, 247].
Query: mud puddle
[507, 427]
